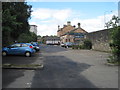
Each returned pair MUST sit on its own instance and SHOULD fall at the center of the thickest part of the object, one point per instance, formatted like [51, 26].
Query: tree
[15, 16]
[27, 37]
[115, 37]
[38, 36]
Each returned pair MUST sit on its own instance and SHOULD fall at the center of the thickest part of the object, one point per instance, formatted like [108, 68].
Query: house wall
[67, 29]
[100, 40]
[52, 42]
[64, 33]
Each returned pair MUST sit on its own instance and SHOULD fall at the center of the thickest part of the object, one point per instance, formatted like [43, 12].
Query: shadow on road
[10, 75]
[20, 59]
[61, 72]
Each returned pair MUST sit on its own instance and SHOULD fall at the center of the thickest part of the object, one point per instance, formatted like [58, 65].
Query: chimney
[78, 25]
[68, 23]
[58, 27]
[74, 26]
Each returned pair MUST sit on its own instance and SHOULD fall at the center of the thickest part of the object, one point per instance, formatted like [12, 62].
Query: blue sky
[58, 13]
[91, 8]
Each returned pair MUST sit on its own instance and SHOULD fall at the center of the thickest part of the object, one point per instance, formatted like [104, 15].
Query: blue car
[69, 44]
[18, 49]
[36, 46]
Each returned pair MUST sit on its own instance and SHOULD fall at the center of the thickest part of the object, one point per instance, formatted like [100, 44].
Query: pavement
[18, 70]
[77, 69]
[63, 68]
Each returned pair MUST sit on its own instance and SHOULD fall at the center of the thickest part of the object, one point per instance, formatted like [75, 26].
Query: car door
[14, 49]
[23, 48]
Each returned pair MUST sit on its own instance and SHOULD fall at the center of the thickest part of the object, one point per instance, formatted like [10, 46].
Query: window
[24, 45]
[69, 40]
[66, 40]
[15, 45]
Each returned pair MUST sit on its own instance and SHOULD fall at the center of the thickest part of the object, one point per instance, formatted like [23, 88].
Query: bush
[78, 47]
[115, 37]
[87, 44]
[29, 37]
[75, 47]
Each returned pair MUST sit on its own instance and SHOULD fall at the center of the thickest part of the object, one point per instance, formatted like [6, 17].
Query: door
[14, 49]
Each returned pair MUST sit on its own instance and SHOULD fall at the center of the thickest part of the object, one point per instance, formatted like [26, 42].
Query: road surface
[63, 68]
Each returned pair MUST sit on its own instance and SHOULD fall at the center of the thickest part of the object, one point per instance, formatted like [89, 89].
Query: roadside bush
[87, 44]
[78, 47]
[75, 47]
[81, 46]
[115, 38]
[29, 37]
[116, 43]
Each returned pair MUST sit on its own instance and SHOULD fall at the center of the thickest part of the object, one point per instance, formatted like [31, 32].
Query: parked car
[18, 49]
[62, 45]
[31, 45]
[69, 44]
[36, 46]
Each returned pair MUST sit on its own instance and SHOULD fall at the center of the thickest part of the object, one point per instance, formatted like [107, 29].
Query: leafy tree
[27, 37]
[115, 37]
[15, 17]
[34, 36]
[38, 36]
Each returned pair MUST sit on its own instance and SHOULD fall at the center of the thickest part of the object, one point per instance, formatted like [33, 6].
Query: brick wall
[100, 40]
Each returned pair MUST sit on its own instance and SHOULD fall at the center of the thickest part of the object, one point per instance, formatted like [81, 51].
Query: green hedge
[86, 45]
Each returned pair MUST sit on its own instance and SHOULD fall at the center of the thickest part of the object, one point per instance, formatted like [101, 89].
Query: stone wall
[100, 40]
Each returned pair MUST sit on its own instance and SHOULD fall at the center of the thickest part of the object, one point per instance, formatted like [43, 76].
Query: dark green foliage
[75, 47]
[115, 38]
[15, 17]
[87, 44]
[115, 43]
[26, 38]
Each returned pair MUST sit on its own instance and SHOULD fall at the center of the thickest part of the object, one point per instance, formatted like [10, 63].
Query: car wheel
[4, 53]
[27, 54]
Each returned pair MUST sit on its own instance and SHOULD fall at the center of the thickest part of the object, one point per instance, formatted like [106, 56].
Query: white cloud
[94, 24]
[62, 14]
[41, 14]
[45, 29]
[46, 13]
[48, 20]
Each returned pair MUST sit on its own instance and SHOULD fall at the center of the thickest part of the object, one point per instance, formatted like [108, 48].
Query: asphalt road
[63, 68]
[19, 78]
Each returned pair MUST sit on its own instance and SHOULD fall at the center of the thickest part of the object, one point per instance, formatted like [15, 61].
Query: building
[70, 33]
[33, 28]
[100, 40]
[51, 40]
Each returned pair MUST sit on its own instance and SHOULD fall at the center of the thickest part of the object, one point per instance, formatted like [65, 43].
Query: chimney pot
[78, 25]
[68, 23]
[58, 27]
[74, 26]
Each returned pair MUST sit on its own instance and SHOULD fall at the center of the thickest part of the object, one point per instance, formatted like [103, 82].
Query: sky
[92, 15]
